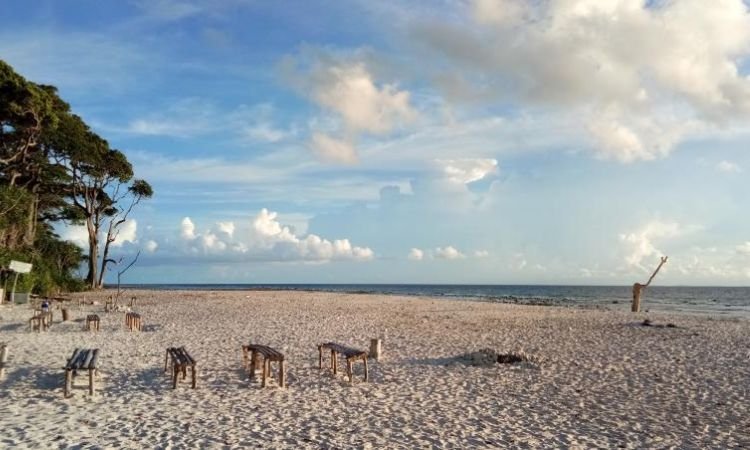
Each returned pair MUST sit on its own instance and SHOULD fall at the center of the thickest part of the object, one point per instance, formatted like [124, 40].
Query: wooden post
[68, 382]
[194, 376]
[320, 357]
[364, 359]
[282, 376]
[638, 287]
[3, 358]
[349, 369]
[376, 348]
[91, 381]
[266, 369]
[65, 314]
[334, 362]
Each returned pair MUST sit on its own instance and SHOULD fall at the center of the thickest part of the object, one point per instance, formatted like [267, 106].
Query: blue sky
[472, 141]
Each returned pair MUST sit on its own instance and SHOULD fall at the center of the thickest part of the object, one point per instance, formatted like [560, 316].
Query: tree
[138, 190]
[27, 111]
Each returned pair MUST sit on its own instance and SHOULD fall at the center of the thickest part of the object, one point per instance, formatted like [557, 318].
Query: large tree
[54, 167]
[102, 189]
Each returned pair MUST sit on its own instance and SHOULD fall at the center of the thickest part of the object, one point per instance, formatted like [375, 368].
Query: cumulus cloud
[481, 253]
[744, 248]
[127, 233]
[77, 234]
[151, 246]
[728, 167]
[416, 254]
[448, 252]
[347, 89]
[265, 238]
[187, 229]
[640, 244]
[641, 75]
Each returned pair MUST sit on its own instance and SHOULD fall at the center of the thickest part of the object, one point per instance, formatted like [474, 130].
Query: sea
[726, 301]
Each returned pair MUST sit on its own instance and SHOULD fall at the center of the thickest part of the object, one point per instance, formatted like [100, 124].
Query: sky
[445, 141]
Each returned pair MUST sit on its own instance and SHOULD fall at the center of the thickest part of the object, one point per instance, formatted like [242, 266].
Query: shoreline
[598, 378]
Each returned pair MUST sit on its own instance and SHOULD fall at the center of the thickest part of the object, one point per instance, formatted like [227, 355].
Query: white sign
[20, 267]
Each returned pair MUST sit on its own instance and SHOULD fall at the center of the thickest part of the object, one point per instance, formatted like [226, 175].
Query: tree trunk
[93, 260]
[103, 268]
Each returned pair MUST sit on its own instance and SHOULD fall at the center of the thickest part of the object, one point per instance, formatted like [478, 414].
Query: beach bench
[133, 322]
[82, 359]
[351, 355]
[181, 360]
[267, 355]
[92, 322]
[40, 321]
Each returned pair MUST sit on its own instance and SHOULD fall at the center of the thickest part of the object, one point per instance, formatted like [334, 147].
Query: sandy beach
[598, 378]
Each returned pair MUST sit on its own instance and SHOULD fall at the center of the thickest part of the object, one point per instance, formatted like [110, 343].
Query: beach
[596, 378]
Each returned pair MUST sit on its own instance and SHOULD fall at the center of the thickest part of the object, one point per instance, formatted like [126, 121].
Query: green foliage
[53, 167]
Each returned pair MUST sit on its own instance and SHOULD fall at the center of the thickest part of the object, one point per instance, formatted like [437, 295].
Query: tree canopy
[54, 168]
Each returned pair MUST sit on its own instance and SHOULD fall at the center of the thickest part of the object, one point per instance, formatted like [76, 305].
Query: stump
[376, 349]
[65, 314]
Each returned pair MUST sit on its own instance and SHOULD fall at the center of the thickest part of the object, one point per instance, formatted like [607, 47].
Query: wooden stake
[376, 348]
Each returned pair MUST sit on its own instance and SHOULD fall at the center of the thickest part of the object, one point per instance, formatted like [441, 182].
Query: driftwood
[82, 359]
[351, 355]
[638, 287]
[267, 355]
[181, 360]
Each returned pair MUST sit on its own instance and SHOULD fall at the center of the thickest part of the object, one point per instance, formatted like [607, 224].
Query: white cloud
[126, 233]
[77, 234]
[466, 170]
[416, 254]
[640, 244]
[481, 253]
[151, 246]
[448, 252]
[333, 150]
[187, 229]
[265, 238]
[641, 75]
[728, 167]
[346, 88]
[349, 90]
[744, 248]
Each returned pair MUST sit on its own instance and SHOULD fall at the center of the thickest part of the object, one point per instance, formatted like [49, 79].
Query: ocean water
[732, 301]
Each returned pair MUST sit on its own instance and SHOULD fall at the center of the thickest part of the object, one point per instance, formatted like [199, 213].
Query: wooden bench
[40, 321]
[268, 355]
[351, 355]
[82, 359]
[92, 322]
[133, 322]
[181, 360]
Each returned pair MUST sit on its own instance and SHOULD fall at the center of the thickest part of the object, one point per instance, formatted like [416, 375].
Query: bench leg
[349, 369]
[244, 358]
[364, 359]
[282, 375]
[334, 362]
[91, 382]
[194, 376]
[166, 360]
[320, 357]
[175, 373]
[253, 364]
[184, 372]
[266, 369]
[68, 381]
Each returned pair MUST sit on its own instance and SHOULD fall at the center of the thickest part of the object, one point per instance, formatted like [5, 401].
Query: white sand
[601, 380]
